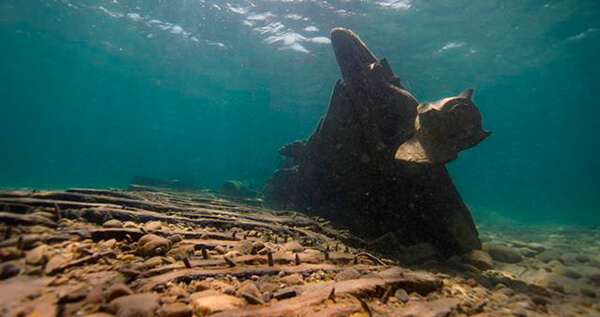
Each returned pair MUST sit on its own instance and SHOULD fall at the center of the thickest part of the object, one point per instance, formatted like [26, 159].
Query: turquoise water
[96, 92]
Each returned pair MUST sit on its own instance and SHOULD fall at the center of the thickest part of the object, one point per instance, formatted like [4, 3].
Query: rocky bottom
[158, 252]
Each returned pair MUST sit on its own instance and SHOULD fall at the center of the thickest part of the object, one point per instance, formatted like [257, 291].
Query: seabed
[149, 251]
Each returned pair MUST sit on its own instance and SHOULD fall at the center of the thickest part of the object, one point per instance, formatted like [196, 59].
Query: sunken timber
[375, 162]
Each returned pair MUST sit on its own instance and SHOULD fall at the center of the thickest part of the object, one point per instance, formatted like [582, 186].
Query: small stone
[182, 251]
[10, 253]
[549, 255]
[127, 257]
[201, 286]
[138, 305]
[177, 291]
[152, 245]
[583, 258]
[540, 300]
[153, 262]
[55, 262]
[470, 268]
[587, 292]
[266, 297]
[312, 251]
[402, 295]
[153, 225]
[44, 214]
[268, 287]
[527, 252]
[293, 279]
[9, 270]
[223, 287]
[539, 290]
[108, 244]
[95, 296]
[113, 223]
[418, 253]
[208, 302]
[244, 247]
[249, 287]
[347, 274]
[220, 249]
[175, 310]
[37, 256]
[503, 253]
[257, 246]
[130, 225]
[472, 282]
[293, 246]
[175, 238]
[264, 251]
[567, 272]
[595, 278]
[233, 254]
[116, 291]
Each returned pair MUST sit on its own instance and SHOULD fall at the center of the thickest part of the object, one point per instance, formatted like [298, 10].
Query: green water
[94, 92]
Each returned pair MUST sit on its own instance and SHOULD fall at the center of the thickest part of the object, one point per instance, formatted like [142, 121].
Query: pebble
[37, 256]
[549, 255]
[292, 279]
[175, 238]
[244, 247]
[223, 287]
[107, 245]
[539, 290]
[113, 223]
[10, 253]
[583, 258]
[233, 254]
[153, 225]
[257, 246]
[55, 262]
[526, 252]
[249, 287]
[540, 300]
[587, 292]
[293, 246]
[347, 274]
[567, 272]
[130, 225]
[401, 295]
[95, 296]
[503, 253]
[138, 305]
[151, 245]
[9, 270]
[175, 310]
[472, 282]
[116, 291]
[268, 287]
[153, 262]
[208, 302]
[595, 278]
[312, 251]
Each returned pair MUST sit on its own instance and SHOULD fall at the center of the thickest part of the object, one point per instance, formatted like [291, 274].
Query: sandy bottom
[155, 252]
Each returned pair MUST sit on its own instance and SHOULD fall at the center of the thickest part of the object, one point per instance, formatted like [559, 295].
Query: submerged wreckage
[375, 162]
